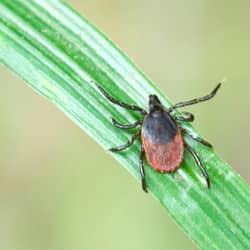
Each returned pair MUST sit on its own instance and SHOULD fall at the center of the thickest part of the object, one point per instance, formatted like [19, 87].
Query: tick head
[154, 103]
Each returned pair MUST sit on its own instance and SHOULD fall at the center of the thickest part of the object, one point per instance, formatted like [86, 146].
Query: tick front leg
[129, 143]
[199, 164]
[197, 100]
[196, 138]
[125, 126]
[121, 104]
[142, 171]
[186, 117]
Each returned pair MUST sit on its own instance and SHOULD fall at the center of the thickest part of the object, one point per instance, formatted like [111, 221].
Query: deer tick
[161, 134]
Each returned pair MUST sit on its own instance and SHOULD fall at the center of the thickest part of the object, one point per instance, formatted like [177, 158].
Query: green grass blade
[57, 52]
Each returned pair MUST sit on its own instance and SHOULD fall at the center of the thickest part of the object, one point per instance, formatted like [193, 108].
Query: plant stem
[58, 53]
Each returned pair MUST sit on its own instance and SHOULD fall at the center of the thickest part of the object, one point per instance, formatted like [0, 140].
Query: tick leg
[125, 126]
[121, 104]
[129, 143]
[142, 171]
[197, 100]
[199, 164]
[196, 138]
[188, 117]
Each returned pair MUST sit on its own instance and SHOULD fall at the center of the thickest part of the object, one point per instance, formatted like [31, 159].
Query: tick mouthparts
[154, 102]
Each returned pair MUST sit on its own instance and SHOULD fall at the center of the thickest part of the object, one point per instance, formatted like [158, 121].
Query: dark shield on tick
[162, 135]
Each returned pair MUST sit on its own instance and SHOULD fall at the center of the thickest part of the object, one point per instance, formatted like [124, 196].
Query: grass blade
[58, 53]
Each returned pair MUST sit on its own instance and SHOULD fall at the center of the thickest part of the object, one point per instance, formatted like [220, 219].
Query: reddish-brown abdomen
[164, 157]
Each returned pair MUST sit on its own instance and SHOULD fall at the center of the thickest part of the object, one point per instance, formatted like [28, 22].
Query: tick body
[161, 134]
[162, 141]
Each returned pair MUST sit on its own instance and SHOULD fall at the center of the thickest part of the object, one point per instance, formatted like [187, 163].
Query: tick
[161, 134]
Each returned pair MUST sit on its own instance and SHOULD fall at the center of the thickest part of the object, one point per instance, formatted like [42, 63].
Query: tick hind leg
[129, 143]
[121, 104]
[142, 171]
[196, 138]
[199, 164]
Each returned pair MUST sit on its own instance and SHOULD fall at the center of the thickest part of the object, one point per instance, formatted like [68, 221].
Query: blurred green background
[59, 190]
